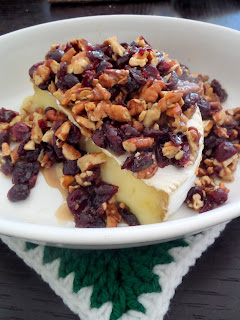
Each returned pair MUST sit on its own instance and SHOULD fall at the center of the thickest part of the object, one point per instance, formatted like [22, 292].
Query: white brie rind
[150, 200]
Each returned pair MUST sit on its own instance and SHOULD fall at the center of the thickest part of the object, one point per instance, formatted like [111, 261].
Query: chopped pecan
[41, 75]
[152, 115]
[15, 120]
[136, 106]
[146, 173]
[137, 125]
[117, 112]
[115, 46]
[205, 181]
[48, 136]
[111, 222]
[36, 133]
[139, 59]
[67, 57]
[53, 65]
[66, 181]
[169, 150]
[91, 160]
[137, 143]
[63, 131]
[152, 92]
[69, 152]
[6, 151]
[78, 63]
[153, 59]
[86, 123]
[174, 111]
[207, 125]
[59, 95]
[193, 136]
[14, 155]
[99, 112]
[30, 145]
[142, 42]
[197, 202]
[4, 126]
[187, 87]
[79, 107]
[219, 116]
[221, 132]
[113, 215]
[54, 115]
[111, 77]
[52, 87]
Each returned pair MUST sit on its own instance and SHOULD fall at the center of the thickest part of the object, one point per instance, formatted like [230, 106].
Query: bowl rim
[107, 237]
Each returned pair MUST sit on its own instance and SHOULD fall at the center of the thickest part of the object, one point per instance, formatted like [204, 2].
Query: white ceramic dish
[205, 48]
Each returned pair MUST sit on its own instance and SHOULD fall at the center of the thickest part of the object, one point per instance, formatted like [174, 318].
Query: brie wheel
[150, 200]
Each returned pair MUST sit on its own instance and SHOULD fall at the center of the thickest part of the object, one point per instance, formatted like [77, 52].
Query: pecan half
[91, 160]
[137, 143]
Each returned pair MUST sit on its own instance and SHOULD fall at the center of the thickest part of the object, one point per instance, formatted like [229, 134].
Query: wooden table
[211, 290]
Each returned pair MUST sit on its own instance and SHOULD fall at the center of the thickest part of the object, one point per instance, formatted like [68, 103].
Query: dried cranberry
[67, 82]
[171, 80]
[152, 71]
[122, 61]
[211, 141]
[163, 66]
[55, 55]
[204, 107]
[129, 131]
[162, 161]
[143, 161]
[78, 201]
[103, 65]
[88, 77]
[25, 139]
[224, 151]
[128, 162]
[128, 217]
[99, 139]
[57, 150]
[23, 172]
[190, 100]
[217, 88]
[7, 115]
[107, 50]
[7, 167]
[32, 181]
[4, 137]
[176, 139]
[103, 193]
[96, 55]
[114, 92]
[18, 192]
[94, 176]
[160, 135]
[186, 156]
[74, 135]
[32, 155]
[192, 191]
[70, 167]
[19, 130]
[219, 196]
[113, 137]
[208, 205]
[34, 68]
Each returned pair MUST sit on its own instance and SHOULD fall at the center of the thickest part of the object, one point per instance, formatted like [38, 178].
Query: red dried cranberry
[89, 220]
[23, 172]
[7, 167]
[129, 131]
[7, 115]
[99, 139]
[163, 66]
[186, 156]
[70, 167]
[204, 107]
[128, 162]
[190, 100]
[94, 176]
[162, 161]
[103, 65]
[67, 82]
[113, 137]
[176, 139]
[96, 55]
[18, 192]
[114, 92]
[152, 71]
[74, 135]
[171, 80]
[160, 135]
[122, 61]
[19, 130]
[32, 155]
[224, 151]
[192, 191]
[143, 161]
[217, 88]
[34, 68]
[107, 51]
[78, 201]
[57, 150]
[25, 139]
[219, 196]
[129, 217]
[55, 55]
[211, 141]
[4, 137]
[32, 181]
[103, 193]
[208, 205]
[87, 80]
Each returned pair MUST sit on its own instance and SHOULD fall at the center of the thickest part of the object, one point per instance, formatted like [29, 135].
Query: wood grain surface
[211, 290]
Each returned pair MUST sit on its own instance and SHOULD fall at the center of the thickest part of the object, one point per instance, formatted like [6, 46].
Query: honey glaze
[52, 177]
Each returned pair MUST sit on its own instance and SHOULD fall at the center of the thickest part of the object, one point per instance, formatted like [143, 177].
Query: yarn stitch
[119, 276]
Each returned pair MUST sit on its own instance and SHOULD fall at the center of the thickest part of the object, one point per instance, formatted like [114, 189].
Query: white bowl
[203, 47]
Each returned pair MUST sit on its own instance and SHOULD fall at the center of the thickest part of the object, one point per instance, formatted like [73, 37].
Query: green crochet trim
[119, 276]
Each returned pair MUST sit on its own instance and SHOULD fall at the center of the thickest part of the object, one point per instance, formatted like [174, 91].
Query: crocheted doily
[120, 284]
